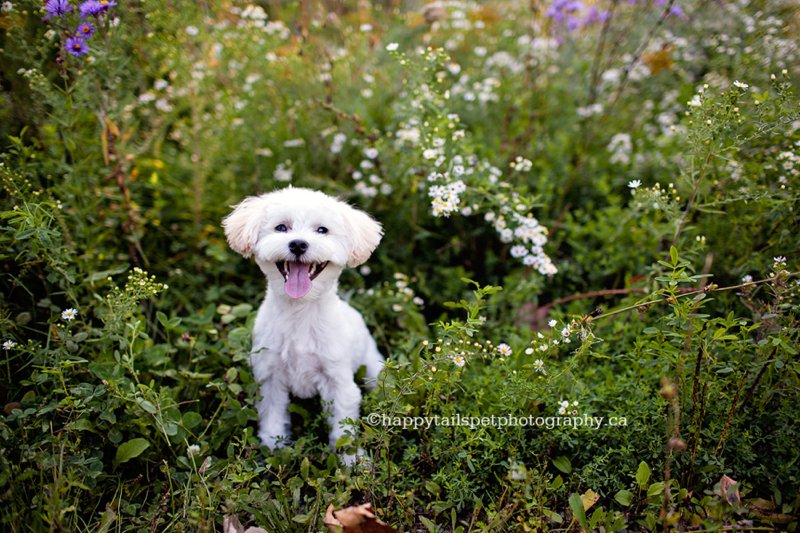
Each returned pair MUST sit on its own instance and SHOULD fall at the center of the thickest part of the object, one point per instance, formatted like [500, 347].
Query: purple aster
[56, 8]
[76, 45]
[95, 7]
[85, 30]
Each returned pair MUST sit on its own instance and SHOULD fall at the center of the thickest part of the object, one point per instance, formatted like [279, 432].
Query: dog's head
[301, 238]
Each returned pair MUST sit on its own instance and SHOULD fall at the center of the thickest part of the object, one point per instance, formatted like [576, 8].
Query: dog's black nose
[298, 247]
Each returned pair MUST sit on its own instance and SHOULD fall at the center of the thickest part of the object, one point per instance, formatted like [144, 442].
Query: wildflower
[504, 349]
[518, 251]
[633, 184]
[193, 450]
[7, 7]
[192, 30]
[84, 30]
[528, 351]
[391, 47]
[76, 45]
[552, 323]
[56, 8]
[9, 344]
[371, 153]
[740, 85]
[282, 173]
[566, 332]
[95, 7]
[69, 314]
[695, 101]
[747, 278]
[459, 360]
[397, 308]
[779, 259]
[538, 366]
[429, 153]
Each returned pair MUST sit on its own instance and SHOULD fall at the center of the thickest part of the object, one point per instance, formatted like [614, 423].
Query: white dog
[306, 341]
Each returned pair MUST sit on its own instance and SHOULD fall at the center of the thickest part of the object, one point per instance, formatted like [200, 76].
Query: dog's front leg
[344, 399]
[273, 415]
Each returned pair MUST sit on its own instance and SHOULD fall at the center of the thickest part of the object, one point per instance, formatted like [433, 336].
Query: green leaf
[642, 475]
[131, 449]
[191, 419]
[432, 487]
[432, 528]
[624, 497]
[655, 489]
[563, 464]
[576, 504]
[673, 255]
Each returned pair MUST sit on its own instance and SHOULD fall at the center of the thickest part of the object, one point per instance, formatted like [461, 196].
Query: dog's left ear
[243, 224]
[364, 234]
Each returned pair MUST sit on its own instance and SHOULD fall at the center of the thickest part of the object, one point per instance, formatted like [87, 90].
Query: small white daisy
[69, 314]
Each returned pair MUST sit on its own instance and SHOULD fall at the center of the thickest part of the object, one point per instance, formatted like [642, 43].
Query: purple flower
[76, 45]
[85, 30]
[56, 8]
[676, 11]
[95, 7]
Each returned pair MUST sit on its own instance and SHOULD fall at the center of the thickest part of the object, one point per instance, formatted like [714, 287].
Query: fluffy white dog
[306, 340]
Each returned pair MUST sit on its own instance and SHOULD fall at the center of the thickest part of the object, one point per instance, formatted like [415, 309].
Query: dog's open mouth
[298, 276]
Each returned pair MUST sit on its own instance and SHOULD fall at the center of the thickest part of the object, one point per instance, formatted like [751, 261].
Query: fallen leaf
[732, 497]
[231, 524]
[589, 498]
[355, 519]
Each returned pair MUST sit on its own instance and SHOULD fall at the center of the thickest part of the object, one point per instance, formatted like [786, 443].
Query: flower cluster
[513, 226]
[445, 198]
[789, 165]
[564, 407]
[77, 39]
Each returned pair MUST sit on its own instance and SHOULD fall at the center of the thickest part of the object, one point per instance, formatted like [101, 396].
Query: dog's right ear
[243, 224]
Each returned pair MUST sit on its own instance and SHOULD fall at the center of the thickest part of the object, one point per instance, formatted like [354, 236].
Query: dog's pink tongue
[298, 280]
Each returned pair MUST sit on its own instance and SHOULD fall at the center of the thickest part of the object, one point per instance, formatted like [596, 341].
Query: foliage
[619, 179]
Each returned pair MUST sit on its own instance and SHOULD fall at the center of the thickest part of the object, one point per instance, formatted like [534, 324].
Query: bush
[587, 292]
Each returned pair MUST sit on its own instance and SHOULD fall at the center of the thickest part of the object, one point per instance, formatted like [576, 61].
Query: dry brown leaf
[725, 484]
[231, 524]
[589, 498]
[355, 519]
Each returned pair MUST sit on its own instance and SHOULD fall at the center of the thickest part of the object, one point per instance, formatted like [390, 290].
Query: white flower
[504, 349]
[282, 173]
[779, 260]
[69, 314]
[740, 85]
[371, 153]
[518, 251]
[9, 344]
[6, 7]
[695, 101]
[192, 30]
[552, 323]
[633, 184]
[391, 47]
[193, 449]
[429, 153]
[397, 308]
[365, 27]
[747, 279]
[538, 366]
[459, 360]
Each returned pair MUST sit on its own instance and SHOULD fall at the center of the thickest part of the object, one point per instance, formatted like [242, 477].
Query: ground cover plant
[587, 292]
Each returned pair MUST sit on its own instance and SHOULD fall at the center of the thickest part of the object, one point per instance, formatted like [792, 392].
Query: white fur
[313, 344]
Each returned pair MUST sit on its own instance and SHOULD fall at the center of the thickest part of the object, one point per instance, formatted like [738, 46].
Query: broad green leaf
[131, 449]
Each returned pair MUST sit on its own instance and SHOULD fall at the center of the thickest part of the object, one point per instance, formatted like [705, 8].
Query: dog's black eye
[281, 228]
[322, 229]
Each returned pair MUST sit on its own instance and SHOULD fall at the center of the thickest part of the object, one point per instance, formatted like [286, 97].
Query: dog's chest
[294, 360]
